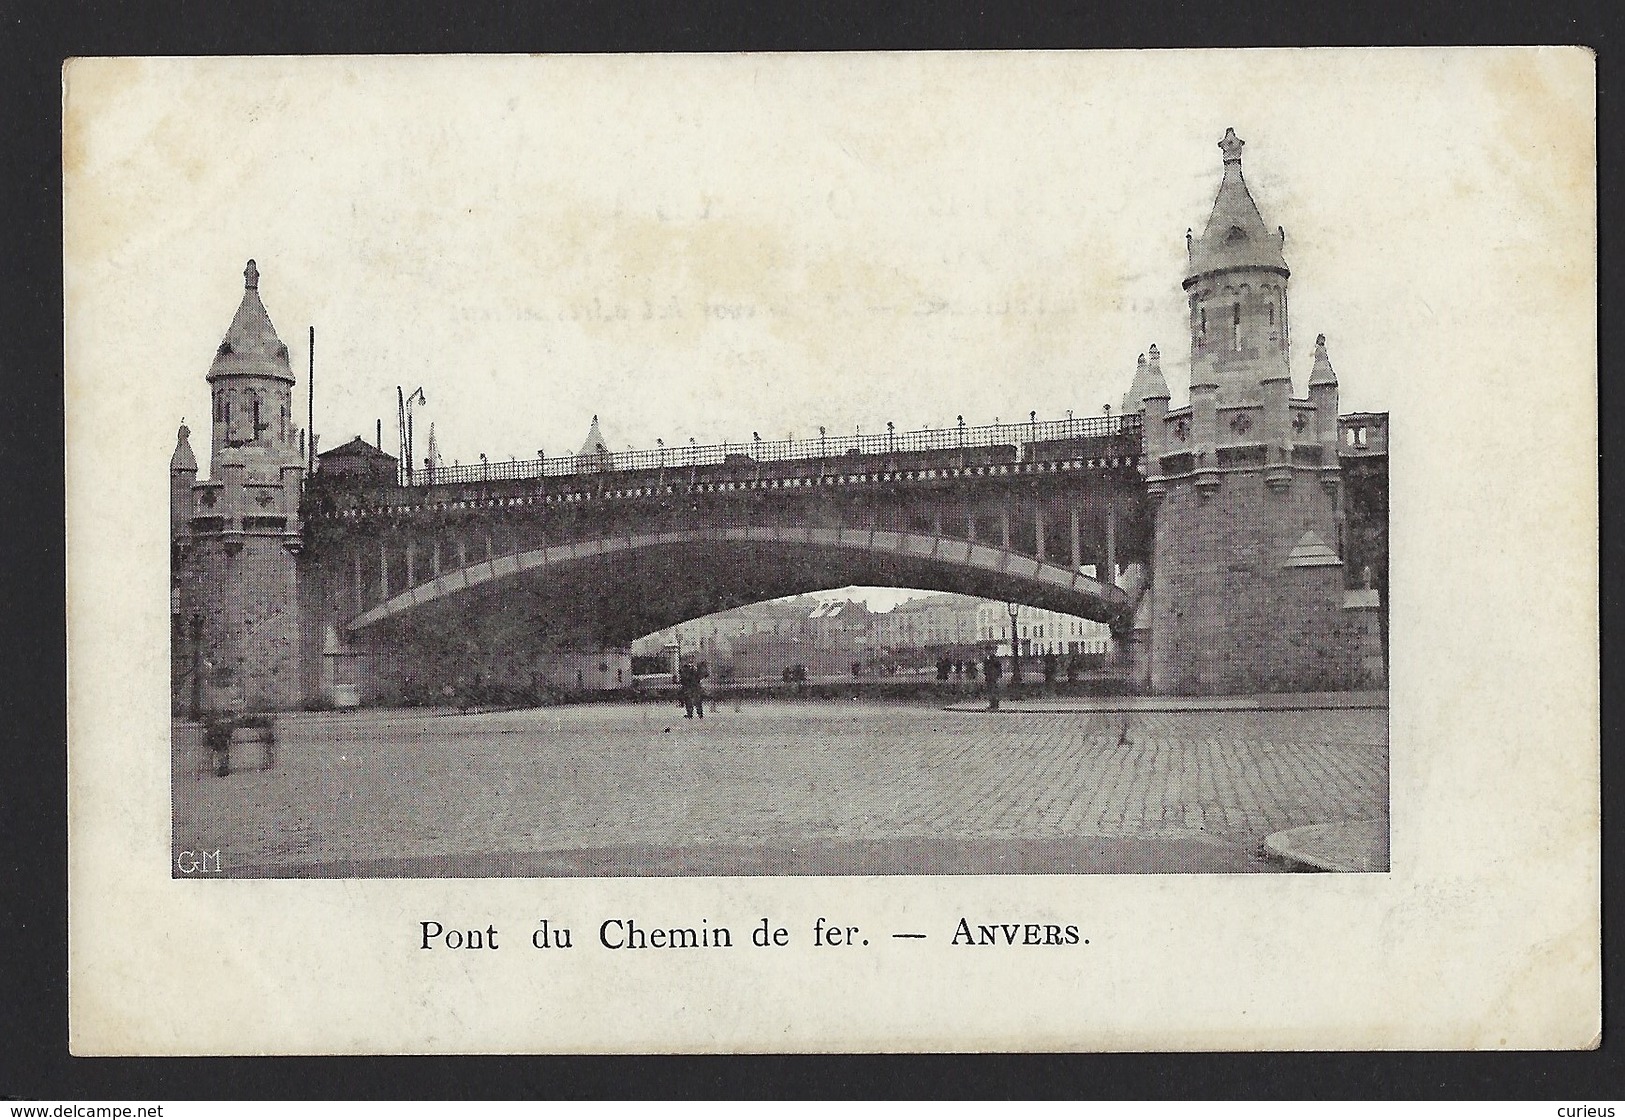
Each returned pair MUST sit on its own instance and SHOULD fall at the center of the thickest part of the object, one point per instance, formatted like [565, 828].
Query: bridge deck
[928, 444]
[643, 475]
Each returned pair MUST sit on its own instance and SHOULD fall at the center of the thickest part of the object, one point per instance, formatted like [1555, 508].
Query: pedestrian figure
[959, 669]
[1073, 664]
[992, 670]
[1051, 665]
[217, 735]
[689, 685]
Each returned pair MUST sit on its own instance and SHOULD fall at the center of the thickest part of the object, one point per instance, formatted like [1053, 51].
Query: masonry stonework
[235, 538]
[1231, 613]
[1248, 583]
[1237, 543]
[249, 598]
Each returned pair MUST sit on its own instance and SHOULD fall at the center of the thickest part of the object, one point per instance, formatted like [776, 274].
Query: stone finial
[1231, 146]
[184, 433]
[251, 276]
[1322, 373]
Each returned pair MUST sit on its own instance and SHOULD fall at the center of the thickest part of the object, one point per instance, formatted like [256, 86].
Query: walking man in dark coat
[992, 671]
[688, 683]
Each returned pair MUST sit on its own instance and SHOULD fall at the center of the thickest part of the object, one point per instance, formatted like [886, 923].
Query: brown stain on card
[1546, 115]
[124, 166]
[89, 85]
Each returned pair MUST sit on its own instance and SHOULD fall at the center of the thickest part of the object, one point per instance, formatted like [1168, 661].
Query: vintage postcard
[832, 552]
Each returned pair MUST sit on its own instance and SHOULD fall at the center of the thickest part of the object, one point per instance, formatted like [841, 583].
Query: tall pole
[400, 432]
[1015, 650]
[408, 448]
[310, 419]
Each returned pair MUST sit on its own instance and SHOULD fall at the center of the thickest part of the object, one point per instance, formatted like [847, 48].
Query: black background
[37, 37]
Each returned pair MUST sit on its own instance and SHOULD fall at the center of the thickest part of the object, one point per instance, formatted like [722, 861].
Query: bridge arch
[843, 556]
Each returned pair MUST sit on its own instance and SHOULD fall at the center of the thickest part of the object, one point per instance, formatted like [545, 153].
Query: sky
[709, 247]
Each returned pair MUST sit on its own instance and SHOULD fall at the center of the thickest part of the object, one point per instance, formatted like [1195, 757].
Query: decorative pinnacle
[1231, 146]
[251, 276]
[1322, 373]
[182, 461]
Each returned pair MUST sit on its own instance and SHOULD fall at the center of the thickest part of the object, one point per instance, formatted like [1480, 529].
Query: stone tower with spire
[1247, 587]
[236, 536]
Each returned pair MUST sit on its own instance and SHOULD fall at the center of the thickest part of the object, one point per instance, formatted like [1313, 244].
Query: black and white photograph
[851, 474]
[1147, 637]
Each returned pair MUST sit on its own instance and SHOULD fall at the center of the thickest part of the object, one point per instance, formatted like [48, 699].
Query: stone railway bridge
[1235, 543]
[591, 552]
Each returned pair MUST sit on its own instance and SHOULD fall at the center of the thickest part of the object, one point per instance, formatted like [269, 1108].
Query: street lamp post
[1015, 650]
[416, 397]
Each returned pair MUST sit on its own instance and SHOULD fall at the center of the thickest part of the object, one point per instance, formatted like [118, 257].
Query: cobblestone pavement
[833, 788]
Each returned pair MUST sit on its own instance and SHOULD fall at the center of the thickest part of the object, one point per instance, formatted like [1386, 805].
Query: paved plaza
[780, 788]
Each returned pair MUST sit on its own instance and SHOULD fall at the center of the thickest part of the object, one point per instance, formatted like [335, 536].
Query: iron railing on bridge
[766, 451]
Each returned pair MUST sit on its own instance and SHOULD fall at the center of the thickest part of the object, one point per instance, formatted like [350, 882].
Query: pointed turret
[1158, 386]
[1323, 395]
[182, 474]
[1132, 400]
[251, 347]
[594, 444]
[1236, 236]
[183, 460]
[1151, 392]
[1243, 487]
[235, 575]
[1148, 382]
[1237, 293]
[1322, 374]
[252, 385]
